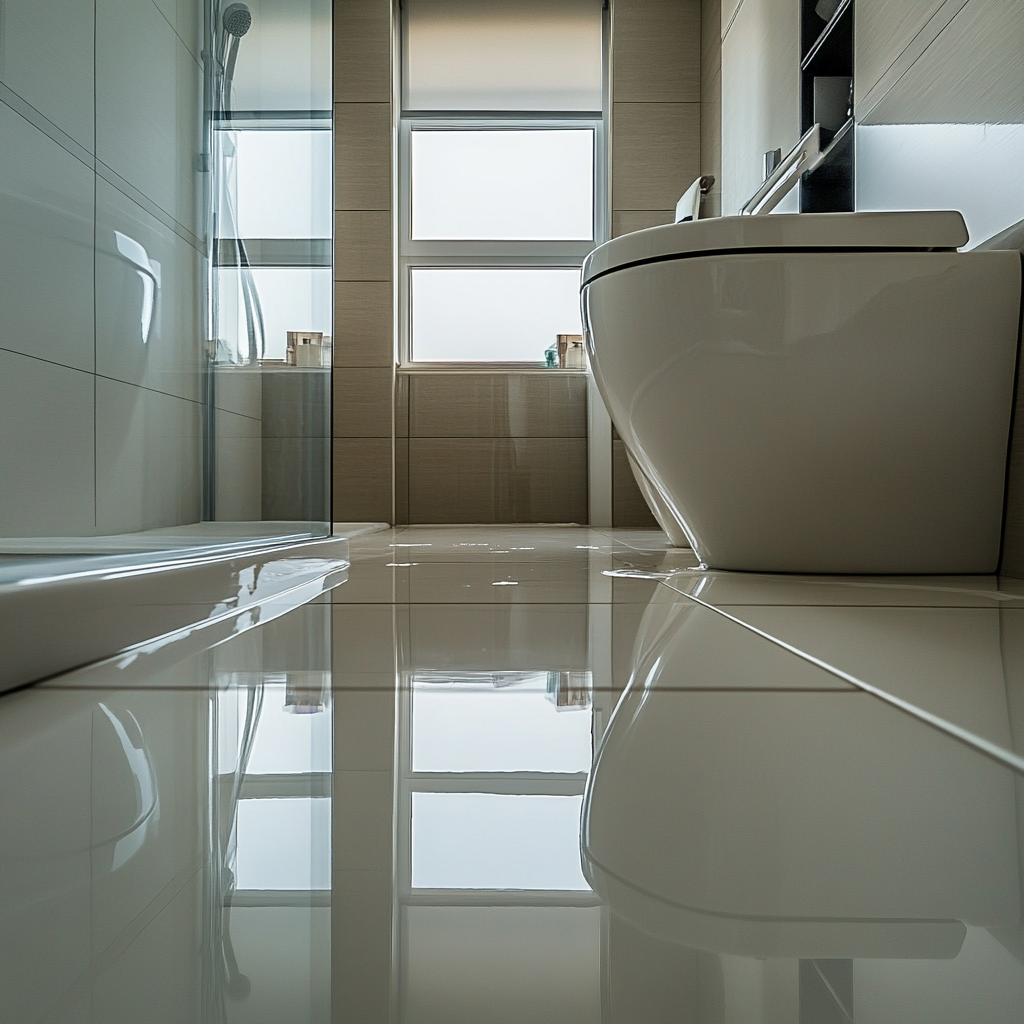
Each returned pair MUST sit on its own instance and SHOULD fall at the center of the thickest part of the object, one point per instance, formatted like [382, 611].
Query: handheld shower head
[237, 20]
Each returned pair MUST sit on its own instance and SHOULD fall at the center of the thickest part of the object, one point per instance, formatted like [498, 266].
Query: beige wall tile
[363, 324]
[497, 405]
[402, 480]
[494, 480]
[362, 156]
[362, 401]
[628, 505]
[402, 405]
[362, 245]
[362, 51]
[655, 154]
[362, 480]
[710, 41]
[625, 221]
[656, 50]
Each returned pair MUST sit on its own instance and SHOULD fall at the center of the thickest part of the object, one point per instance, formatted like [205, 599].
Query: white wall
[760, 93]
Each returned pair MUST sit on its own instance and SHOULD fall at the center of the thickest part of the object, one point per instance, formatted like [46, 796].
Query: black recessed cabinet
[826, 98]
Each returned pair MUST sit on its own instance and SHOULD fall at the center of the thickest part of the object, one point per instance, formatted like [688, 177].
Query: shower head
[237, 20]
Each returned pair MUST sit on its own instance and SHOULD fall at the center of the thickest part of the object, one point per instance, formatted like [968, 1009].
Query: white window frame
[418, 253]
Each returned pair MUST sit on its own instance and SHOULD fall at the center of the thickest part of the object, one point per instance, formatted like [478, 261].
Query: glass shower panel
[271, 305]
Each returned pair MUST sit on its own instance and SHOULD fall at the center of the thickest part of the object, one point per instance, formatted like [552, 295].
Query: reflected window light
[149, 273]
[284, 844]
[496, 841]
[494, 722]
[287, 741]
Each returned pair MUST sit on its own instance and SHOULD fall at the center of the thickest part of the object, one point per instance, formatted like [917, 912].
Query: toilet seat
[913, 231]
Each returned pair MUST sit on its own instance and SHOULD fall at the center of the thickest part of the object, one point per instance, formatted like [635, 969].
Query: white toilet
[817, 393]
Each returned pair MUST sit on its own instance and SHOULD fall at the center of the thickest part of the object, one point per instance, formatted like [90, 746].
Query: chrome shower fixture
[235, 21]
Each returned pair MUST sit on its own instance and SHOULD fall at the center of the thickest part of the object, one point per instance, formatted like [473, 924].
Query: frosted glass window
[495, 841]
[511, 729]
[503, 184]
[492, 314]
[292, 299]
[284, 844]
[502, 55]
[281, 184]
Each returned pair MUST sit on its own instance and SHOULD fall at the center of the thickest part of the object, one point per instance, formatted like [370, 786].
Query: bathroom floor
[807, 804]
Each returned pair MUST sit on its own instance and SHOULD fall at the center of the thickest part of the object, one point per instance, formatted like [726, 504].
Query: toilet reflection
[799, 833]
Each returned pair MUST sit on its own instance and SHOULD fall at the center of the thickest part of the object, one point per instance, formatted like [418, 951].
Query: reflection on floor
[532, 775]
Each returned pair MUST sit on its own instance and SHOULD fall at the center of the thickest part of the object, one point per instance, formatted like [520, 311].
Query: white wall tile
[148, 106]
[46, 57]
[760, 95]
[46, 210]
[148, 459]
[239, 468]
[168, 359]
[46, 459]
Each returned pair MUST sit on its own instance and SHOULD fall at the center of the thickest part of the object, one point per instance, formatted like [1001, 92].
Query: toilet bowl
[822, 393]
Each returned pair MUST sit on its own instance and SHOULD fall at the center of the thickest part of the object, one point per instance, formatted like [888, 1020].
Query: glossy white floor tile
[601, 802]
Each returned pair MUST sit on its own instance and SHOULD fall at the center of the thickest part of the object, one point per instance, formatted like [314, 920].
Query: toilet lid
[920, 231]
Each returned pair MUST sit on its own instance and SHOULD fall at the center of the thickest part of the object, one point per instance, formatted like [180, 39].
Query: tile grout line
[988, 749]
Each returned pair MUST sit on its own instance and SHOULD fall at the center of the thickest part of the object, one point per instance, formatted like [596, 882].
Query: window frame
[491, 253]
